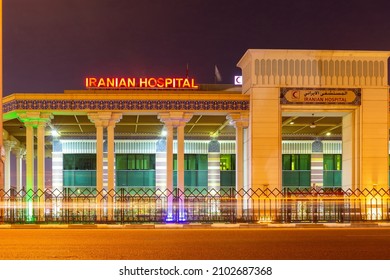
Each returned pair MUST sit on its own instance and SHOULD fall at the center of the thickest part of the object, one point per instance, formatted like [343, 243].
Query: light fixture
[54, 133]
[328, 134]
[313, 124]
[292, 123]
[163, 133]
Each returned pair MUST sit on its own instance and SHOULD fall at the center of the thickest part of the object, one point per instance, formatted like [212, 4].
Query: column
[175, 120]
[169, 170]
[169, 155]
[29, 169]
[99, 170]
[96, 118]
[41, 169]
[19, 153]
[180, 169]
[41, 172]
[105, 120]
[99, 157]
[29, 157]
[240, 121]
[8, 145]
[33, 120]
[111, 163]
[41, 156]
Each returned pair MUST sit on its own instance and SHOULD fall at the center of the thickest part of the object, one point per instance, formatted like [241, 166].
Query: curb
[281, 225]
[195, 226]
[335, 225]
[169, 226]
[383, 224]
[220, 225]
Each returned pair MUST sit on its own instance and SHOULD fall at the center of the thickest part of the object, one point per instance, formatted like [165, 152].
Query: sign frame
[320, 96]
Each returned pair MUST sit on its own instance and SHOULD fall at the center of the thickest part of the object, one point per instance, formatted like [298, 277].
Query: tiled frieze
[128, 105]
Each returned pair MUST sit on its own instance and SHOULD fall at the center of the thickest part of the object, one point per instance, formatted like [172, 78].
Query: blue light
[169, 218]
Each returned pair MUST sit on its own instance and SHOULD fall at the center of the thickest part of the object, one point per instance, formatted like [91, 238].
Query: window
[332, 162]
[79, 170]
[135, 162]
[228, 170]
[195, 170]
[296, 162]
[332, 170]
[228, 162]
[79, 162]
[135, 170]
[296, 170]
[192, 162]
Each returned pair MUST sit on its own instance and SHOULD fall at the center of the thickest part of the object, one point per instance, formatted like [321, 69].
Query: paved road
[201, 244]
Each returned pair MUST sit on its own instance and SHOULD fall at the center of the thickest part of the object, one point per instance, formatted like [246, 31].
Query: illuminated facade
[215, 137]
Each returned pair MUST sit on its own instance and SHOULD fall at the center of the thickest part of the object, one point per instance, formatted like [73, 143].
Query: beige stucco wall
[365, 126]
[374, 138]
[265, 142]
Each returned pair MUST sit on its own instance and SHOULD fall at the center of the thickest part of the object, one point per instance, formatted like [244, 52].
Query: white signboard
[238, 80]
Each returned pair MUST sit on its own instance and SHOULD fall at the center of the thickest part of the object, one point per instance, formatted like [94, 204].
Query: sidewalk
[195, 226]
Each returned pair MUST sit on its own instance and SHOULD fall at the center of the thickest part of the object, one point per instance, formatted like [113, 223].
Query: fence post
[233, 205]
[12, 205]
[66, 203]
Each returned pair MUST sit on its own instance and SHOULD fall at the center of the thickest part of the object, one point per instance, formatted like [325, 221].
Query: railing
[79, 178]
[195, 205]
[193, 178]
[139, 178]
[332, 177]
[296, 178]
[228, 177]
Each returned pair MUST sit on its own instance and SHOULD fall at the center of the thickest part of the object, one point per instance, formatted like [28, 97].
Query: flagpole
[217, 75]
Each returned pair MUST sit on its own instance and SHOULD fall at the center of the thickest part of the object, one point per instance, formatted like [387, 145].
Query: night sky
[52, 45]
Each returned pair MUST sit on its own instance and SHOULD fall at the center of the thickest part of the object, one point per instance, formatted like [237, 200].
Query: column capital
[115, 118]
[35, 119]
[104, 119]
[19, 151]
[175, 118]
[9, 144]
[240, 119]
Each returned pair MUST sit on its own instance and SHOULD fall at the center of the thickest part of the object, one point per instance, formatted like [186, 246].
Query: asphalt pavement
[369, 241]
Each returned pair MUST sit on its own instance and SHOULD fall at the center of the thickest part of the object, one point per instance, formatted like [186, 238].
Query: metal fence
[197, 205]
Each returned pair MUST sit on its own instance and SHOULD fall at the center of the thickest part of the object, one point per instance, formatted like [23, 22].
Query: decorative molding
[317, 146]
[127, 105]
[214, 146]
[336, 71]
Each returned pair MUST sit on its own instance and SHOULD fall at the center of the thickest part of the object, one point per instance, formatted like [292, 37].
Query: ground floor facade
[207, 164]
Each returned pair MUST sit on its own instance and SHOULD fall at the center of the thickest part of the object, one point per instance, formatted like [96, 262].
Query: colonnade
[35, 124]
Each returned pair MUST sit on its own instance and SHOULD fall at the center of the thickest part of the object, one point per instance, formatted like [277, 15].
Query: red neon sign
[134, 83]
